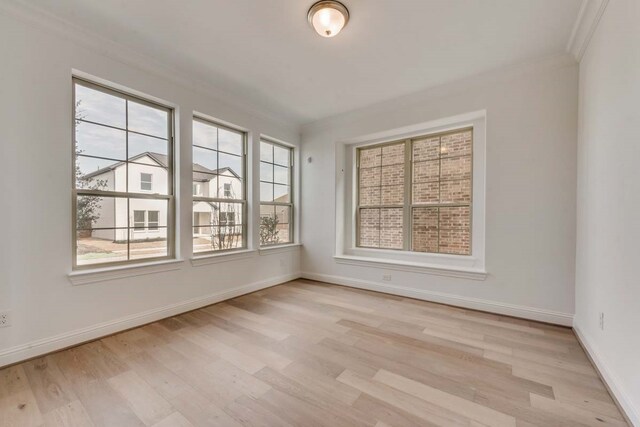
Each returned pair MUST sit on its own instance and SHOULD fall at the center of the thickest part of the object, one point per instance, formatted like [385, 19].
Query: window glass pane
[442, 174]
[455, 242]
[148, 243]
[153, 217]
[145, 178]
[144, 206]
[205, 160]
[95, 174]
[281, 155]
[101, 141]
[370, 177]
[426, 149]
[101, 246]
[393, 155]
[227, 227]
[391, 228]
[281, 193]
[425, 230]
[148, 120]
[138, 220]
[94, 212]
[266, 152]
[281, 175]
[230, 188]
[269, 226]
[100, 107]
[369, 237]
[266, 192]
[370, 196]
[456, 144]
[230, 165]
[283, 218]
[266, 172]
[392, 195]
[455, 191]
[204, 213]
[205, 135]
[141, 144]
[230, 142]
[370, 157]
[453, 168]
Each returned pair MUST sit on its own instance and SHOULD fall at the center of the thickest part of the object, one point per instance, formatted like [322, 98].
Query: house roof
[200, 173]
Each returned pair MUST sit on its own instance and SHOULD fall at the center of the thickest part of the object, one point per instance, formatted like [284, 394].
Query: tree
[225, 233]
[269, 230]
[87, 207]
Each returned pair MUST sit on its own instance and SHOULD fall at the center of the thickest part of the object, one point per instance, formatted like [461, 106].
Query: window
[139, 220]
[119, 138]
[276, 205]
[146, 181]
[153, 220]
[415, 194]
[219, 159]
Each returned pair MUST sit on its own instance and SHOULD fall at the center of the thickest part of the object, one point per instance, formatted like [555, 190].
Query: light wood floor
[310, 354]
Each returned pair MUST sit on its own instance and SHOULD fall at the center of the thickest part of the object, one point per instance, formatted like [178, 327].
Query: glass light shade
[328, 18]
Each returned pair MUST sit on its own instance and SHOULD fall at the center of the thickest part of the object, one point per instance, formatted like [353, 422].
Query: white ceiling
[265, 52]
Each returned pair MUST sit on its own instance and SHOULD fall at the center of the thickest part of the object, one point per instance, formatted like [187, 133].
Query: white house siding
[114, 214]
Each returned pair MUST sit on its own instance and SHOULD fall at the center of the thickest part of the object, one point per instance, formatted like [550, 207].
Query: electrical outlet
[5, 319]
[283, 263]
[602, 321]
[386, 277]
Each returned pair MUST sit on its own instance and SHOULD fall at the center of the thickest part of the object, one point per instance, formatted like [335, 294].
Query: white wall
[35, 118]
[530, 195]
[609, 201]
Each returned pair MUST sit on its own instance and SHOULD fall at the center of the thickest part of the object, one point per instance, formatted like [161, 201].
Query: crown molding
[589, 16]
[32, 15]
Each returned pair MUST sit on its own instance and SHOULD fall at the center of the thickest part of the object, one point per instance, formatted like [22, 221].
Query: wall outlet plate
[386, 277]
[5, 319]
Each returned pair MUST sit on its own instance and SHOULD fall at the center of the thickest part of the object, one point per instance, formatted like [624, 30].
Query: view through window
[123, 186]
[416, 194]
[276, 205]
[219, 201]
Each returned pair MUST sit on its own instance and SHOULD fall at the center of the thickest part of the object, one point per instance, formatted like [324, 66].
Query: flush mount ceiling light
[328, 18]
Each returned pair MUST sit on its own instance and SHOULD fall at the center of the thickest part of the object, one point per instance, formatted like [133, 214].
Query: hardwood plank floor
[311, 354]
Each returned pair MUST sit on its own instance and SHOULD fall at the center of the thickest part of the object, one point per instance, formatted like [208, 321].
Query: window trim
[346, 198]
[289, 204]
[171, 180]
[244, 202]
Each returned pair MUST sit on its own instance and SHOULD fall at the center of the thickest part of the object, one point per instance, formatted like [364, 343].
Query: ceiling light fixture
[328, 18]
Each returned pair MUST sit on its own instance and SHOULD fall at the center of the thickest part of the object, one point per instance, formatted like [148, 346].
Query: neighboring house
[148, 218]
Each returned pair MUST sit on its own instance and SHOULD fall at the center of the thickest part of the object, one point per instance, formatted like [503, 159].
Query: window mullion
[406, 217]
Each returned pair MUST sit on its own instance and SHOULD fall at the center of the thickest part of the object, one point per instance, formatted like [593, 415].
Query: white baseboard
[531, 313]
[69, 339]
[609, 379]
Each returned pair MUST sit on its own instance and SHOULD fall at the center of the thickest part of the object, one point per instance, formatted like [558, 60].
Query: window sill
[198, 261]
[414, 267]
[276, 249]
[84, 277]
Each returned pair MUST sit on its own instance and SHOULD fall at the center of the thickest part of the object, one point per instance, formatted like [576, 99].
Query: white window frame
[470, 266]
[243, 201]
[291, 202]
[77, 269]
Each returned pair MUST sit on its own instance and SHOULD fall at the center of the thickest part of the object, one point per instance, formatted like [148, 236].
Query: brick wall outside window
[440, 194]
